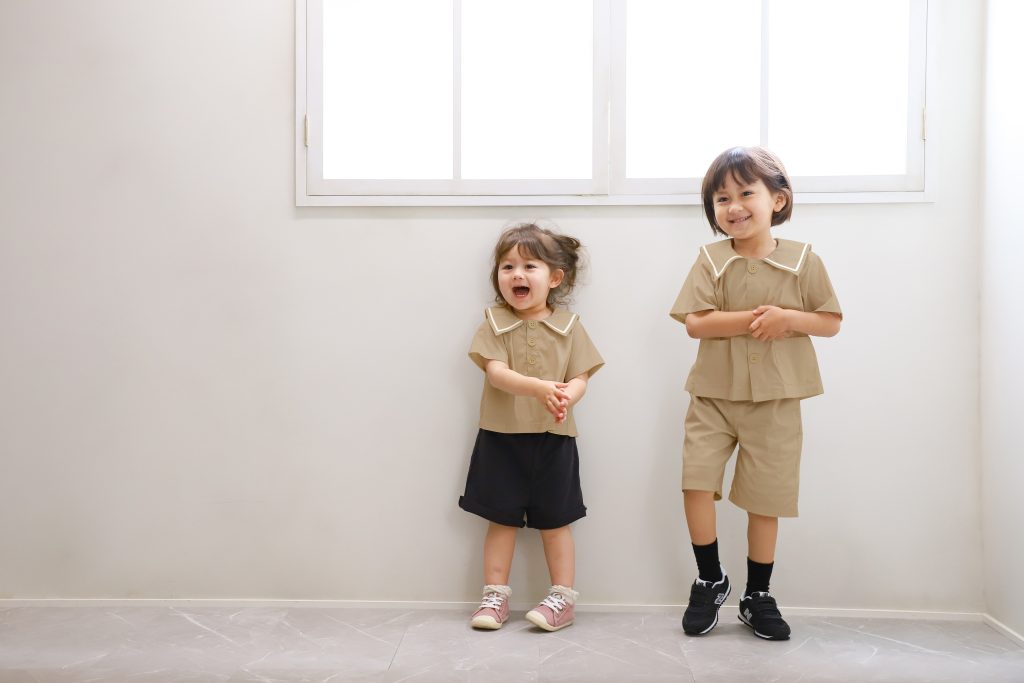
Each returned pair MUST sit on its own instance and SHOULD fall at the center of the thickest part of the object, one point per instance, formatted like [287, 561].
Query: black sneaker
[760, 612]
[706, 598]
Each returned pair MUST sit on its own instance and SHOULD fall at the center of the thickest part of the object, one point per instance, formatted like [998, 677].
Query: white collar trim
[568, 326]
[718, 273]
[560, 321]
[799, 262]
[501, 330]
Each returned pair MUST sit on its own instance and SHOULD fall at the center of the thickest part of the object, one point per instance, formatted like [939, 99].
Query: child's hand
[564, 413]
[553, 397]
[770, 323]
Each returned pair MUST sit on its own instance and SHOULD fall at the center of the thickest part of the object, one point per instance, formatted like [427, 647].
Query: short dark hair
[746, 164]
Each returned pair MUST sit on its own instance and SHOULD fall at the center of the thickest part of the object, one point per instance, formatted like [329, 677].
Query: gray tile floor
[293, 644]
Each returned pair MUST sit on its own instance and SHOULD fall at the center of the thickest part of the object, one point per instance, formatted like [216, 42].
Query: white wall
[1001, 324]
[208, 392]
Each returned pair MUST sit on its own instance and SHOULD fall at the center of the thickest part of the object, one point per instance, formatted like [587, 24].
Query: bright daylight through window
[604, 101]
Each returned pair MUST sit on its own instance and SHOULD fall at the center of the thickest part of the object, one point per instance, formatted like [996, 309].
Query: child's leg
[758, 608]
[560, 553]
[499, 546]
[557, 610]
[699, 507]
[762, 533]
[712, 587]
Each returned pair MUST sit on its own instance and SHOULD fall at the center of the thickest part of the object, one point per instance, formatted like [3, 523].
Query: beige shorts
[770, 435]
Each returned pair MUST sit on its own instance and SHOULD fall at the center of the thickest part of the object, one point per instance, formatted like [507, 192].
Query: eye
[506, 266]
[531, 266]
[721, 200]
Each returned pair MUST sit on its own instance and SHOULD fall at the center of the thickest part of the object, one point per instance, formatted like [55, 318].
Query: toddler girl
[524, 469]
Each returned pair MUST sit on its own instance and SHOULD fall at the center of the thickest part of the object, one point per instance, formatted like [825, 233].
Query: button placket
[531, 342]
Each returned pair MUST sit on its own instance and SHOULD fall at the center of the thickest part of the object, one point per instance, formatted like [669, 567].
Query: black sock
[708, 566]
[758, 576]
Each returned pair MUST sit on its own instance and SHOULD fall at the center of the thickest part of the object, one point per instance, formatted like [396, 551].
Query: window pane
[387, 89]
[693, 83]
[838, 84]
[527, 84]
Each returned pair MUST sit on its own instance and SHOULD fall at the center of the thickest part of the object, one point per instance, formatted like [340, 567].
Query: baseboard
[1003, 628]
[831, 612]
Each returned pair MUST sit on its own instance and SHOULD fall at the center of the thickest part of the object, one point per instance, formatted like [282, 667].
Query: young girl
[538, 360]
[753, 301]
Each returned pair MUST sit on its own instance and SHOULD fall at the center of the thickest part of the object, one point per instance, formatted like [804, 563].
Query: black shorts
[536, 476]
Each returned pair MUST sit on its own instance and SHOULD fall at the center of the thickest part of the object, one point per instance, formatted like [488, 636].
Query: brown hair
[559, 252]
[748, 165]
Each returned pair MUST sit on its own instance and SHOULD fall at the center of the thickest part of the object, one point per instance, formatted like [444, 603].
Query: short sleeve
[487, 346]
[583, 355]
[816, 289]
[697, 294]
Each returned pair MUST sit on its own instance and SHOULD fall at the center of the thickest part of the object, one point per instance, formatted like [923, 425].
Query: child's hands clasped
[770, 323]
[554, 397]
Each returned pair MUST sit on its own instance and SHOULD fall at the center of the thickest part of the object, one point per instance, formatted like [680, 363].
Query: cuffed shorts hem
[516, 519]
[690, 485]
[491, 515]
[546, 525]
[784, 510]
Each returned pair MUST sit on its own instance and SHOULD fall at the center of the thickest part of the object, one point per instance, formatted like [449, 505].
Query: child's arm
[550, 394]
[772, 322]
[717, 324]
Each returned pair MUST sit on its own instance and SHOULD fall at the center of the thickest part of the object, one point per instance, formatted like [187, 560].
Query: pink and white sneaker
[555, 611]
[493, 610]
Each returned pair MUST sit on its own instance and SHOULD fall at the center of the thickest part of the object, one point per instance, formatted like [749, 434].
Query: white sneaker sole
[486, 623]
[538, 620]
[759, 635]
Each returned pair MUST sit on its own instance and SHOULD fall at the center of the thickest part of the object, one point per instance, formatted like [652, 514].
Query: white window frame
[608, 186]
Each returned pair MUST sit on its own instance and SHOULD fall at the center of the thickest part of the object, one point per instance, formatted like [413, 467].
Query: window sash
[316, 184]
[608, 184]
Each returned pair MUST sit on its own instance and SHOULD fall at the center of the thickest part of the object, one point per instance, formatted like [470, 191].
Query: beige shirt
[556, 348]
[743, 368]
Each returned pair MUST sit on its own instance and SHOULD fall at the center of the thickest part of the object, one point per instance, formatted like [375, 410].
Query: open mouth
[521, 290]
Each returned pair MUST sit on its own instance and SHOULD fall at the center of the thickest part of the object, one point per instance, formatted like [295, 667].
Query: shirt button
[531, 341]
[532, 360]
[752, 268]
[755, 358]
[532, 324]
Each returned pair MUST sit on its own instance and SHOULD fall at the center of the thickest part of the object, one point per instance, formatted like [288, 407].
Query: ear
[780, 202]
[557, 275]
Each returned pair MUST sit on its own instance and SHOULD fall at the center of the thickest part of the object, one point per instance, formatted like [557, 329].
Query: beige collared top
[556, 348]
[743, 368]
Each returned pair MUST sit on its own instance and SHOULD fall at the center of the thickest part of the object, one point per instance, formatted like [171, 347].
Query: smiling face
[524, 282]
[744, 210]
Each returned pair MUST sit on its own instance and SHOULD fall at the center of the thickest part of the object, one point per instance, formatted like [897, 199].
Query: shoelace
[555, 601]
[492, 600]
